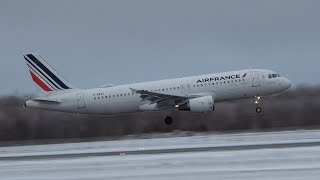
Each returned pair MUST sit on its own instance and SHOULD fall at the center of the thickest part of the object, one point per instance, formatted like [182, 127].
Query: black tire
[259, 110]
[168, 120]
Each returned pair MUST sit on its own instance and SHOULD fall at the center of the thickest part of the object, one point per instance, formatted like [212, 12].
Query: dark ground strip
[165, 151]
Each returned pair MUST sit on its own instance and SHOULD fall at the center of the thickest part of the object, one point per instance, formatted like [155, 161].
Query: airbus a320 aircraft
[194, 94]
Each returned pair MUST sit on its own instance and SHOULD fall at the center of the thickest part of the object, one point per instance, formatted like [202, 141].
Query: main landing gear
[168, 120]
[256, 101]
[259, 110]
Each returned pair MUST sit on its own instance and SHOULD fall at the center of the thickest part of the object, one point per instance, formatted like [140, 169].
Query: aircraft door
[255, 79]
[182, 88]
[188, 88]
[80, 101]
[185, 88]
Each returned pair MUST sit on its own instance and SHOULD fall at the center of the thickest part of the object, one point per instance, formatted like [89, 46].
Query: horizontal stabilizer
[42, 100]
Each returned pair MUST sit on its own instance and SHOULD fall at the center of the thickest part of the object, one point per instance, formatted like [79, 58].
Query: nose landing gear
[256, 101]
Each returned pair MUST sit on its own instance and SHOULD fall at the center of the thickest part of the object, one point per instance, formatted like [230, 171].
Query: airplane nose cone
[287, 83]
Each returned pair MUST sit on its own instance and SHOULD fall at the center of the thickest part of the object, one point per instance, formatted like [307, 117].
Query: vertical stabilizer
[45, 76]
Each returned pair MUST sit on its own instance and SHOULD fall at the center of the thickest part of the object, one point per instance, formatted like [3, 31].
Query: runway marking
[164, 151]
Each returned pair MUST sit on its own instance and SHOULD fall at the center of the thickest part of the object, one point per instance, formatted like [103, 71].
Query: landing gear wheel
[168, 120]
[259, 110]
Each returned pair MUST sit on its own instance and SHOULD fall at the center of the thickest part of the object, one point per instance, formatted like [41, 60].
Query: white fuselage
[121, 99]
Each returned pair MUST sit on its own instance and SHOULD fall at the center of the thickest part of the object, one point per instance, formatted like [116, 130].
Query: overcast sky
[92, 43]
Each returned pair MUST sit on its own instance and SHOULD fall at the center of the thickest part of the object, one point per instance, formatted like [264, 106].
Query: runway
[272, 155]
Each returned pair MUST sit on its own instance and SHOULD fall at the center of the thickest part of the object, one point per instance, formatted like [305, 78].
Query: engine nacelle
[200, 104]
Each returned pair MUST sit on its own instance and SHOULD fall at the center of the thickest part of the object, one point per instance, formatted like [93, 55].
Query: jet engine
[200, 104]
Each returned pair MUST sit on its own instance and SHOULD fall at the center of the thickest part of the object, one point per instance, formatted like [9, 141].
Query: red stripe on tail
[39, 82]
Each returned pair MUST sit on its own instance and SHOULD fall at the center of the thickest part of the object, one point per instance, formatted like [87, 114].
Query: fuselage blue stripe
[48, 72]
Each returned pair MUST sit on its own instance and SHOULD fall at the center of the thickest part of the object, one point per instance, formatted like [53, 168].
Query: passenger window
[197, 85]
[94, 98]
[201, 85]
[213, 84]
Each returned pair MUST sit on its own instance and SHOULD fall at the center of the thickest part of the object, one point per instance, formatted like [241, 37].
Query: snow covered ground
[261, 163]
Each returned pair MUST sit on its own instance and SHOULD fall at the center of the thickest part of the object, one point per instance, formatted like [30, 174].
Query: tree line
[296, 108]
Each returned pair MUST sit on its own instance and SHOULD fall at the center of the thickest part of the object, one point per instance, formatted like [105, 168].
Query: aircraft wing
[163, 101]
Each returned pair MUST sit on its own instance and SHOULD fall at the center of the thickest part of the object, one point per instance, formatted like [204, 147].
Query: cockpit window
[271, 76]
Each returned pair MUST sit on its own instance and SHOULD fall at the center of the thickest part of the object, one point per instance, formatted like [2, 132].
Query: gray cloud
[98, 42]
